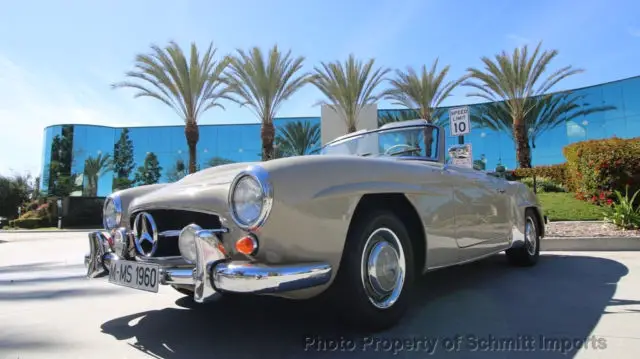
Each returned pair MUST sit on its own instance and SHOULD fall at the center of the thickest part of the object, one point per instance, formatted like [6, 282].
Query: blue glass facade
[67, 147]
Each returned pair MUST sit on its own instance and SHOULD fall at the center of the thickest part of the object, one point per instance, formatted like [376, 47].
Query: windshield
[417, 141]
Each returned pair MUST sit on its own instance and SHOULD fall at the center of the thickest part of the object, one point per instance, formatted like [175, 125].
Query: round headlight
[247, 201]
[112, 213]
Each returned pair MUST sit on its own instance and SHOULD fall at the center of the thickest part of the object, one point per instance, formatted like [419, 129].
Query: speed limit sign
[459, 121]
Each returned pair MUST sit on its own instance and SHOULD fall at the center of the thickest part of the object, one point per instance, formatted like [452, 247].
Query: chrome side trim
[177, 276]
[245, 277]
[169, 233]
[176, 232]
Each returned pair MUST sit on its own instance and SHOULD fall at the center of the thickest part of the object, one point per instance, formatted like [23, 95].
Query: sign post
[459, 122]
[59, 204]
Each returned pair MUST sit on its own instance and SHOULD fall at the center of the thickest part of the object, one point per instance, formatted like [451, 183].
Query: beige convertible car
[357, 222]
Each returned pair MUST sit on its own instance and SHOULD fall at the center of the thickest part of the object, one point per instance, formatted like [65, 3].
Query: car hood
[204, 191]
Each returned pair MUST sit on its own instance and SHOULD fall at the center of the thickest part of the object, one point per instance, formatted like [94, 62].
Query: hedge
[596, 168]
[28, 223]
[557, 173]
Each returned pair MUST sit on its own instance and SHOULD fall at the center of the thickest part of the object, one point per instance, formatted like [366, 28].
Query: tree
[60, 180]
[123, 163]
[178, 172]
[263, 83]
[546, 113]
[298, 138]
[190, 87]
[94, 168]
[150, 171]
[517, 79]
[423, 92]
[398, 116]
[14, 191]
[349, 87]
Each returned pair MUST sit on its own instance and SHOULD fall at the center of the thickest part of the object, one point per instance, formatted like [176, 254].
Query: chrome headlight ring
[112, 212]
[260, 178]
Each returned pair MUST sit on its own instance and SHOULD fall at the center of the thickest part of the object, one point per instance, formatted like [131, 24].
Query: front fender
[314, 201]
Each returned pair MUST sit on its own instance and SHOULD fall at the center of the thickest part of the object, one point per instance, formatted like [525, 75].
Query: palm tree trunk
[267, 133]
[523, 150]
[351, 128]
[428, 135]
[192, 133]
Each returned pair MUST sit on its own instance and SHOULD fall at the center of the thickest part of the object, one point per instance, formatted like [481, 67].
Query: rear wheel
[528, 254]
[376, 272]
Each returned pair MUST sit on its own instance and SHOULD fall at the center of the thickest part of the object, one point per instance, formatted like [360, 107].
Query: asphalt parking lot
[589, 300]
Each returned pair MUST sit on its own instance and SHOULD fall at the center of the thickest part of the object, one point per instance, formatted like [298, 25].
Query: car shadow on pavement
[484, 309]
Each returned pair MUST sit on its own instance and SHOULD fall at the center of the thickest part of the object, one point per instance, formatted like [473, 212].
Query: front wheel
[528, 254]
[376, 272]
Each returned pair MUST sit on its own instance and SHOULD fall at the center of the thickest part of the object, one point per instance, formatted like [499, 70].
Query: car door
[436, 206]
[501, 209]
[476, 212]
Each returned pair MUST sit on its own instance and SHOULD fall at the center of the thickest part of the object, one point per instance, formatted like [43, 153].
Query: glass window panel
[631, 96]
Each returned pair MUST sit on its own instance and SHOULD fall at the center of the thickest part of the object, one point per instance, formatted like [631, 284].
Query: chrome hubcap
[530, 237]
[383, 268]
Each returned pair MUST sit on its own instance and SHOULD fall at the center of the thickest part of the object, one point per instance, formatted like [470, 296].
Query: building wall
[242, 142]
[332, 124]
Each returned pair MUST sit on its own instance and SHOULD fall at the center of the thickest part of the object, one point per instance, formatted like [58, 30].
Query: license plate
[135, 275]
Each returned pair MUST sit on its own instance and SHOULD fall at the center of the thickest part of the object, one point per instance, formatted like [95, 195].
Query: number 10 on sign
[459, 121]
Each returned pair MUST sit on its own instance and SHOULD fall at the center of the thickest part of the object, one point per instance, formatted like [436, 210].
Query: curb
[593, 244]
[2, 231]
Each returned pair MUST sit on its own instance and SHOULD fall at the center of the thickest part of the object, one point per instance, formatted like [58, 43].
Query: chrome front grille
[169, 223]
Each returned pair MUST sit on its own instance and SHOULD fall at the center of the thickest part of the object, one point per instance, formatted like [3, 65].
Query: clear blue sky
[57, 58]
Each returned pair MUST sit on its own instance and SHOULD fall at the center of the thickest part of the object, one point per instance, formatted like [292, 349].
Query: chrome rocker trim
[214, 273]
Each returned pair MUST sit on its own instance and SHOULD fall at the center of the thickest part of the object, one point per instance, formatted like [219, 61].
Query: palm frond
[546, 113]
[349, 86]
[298, 138]
[263, 83]
[424, 91]
[189, 86]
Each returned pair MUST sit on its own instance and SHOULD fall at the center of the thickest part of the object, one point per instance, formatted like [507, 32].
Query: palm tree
[263, 83]
[189, 86]
[546, 113]
[400, 115]
[349, 87]
[298, 138]
[94, 168]
[516, 79]
[423, 92]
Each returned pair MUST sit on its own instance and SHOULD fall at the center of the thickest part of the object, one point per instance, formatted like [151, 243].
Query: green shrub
[27, 223]
[598, 168]
[556, 173]
[622, 212]
[543, 184]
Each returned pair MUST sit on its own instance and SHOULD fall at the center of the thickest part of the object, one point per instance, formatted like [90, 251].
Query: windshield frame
[397, 126]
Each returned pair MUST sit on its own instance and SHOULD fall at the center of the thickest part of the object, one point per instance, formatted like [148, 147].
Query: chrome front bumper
[214, 273]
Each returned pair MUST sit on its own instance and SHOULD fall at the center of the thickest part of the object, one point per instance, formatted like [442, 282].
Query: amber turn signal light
[247, 245]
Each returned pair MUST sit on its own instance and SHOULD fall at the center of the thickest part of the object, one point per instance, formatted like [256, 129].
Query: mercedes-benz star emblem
[146, 234]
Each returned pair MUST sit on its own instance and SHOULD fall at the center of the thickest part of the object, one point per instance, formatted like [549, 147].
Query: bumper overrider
[213, 272]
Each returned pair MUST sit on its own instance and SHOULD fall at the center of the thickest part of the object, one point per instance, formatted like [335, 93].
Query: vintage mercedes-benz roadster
[357, 222]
